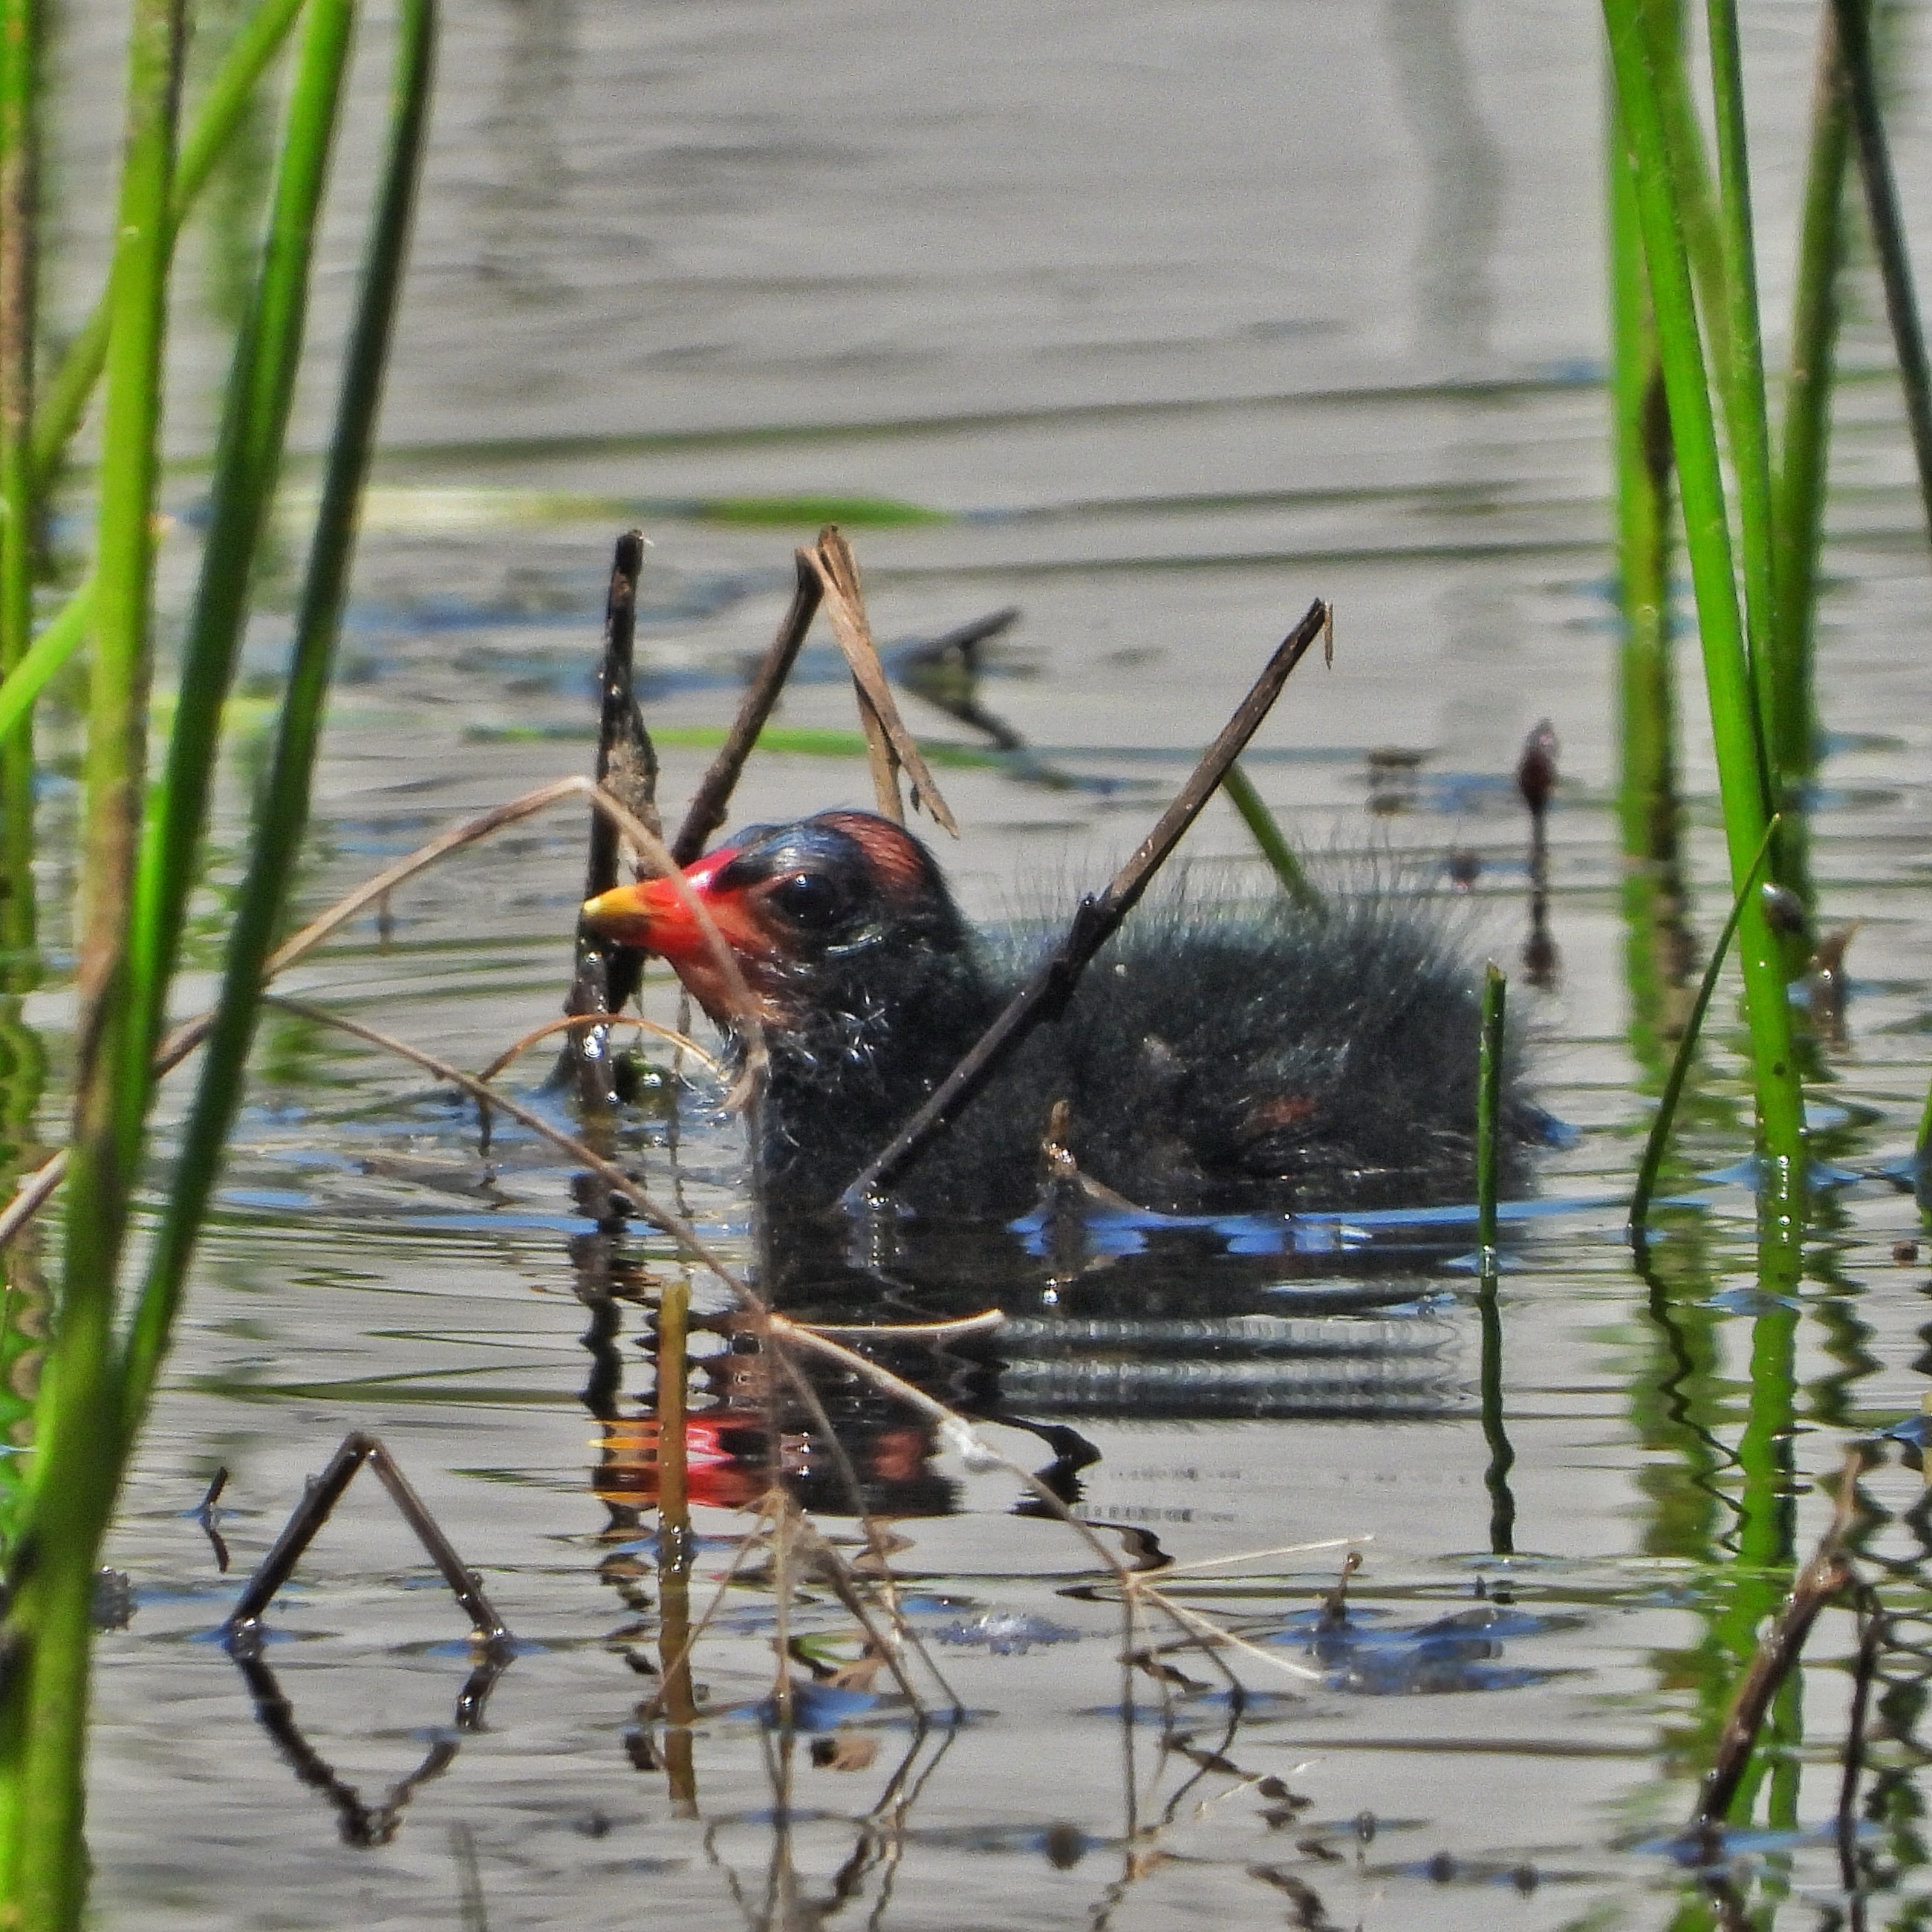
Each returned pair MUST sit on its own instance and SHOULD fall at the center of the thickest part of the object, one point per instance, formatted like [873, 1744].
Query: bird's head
[824, 903]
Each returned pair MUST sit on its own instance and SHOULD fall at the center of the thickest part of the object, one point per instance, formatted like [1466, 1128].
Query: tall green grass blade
[1854, 23]
[1267, 835]
[64, 401]
[261, 386]
[1662, 22]
[1649, 1167]
[65, 632]
[283, 812]
[1741, 376]
[1644, 464]
[1743, 781]
[1488, 1112]
[1798, 508]
[20, 77]
[43, 1695]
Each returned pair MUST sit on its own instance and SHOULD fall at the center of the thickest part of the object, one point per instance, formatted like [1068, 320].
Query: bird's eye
[806, 898]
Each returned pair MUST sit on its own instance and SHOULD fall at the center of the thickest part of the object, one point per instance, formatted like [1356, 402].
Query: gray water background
[1185, 315]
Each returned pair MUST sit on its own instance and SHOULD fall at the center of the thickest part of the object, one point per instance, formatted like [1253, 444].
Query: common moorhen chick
[1210, 1061]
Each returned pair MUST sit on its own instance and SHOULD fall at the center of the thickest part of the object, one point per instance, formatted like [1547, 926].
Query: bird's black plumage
[1211, 1060]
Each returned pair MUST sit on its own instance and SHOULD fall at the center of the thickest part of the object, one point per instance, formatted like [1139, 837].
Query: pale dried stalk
[38, 1188]
[891, 745]
[958, 1434]
[578, 1022]
[689, 1241]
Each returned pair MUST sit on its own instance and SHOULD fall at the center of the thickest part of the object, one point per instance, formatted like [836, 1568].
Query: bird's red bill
[652, 915]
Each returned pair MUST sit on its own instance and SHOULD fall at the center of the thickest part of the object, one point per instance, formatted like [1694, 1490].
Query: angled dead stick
[1828, 1573]
[891, 744]
[323, 1493]
[1094, 923]
[713, 799]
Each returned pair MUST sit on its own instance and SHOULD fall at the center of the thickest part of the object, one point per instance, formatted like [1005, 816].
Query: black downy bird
[1209, 1061]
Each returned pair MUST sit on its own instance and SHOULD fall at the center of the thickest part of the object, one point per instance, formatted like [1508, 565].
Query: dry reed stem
[650, 1708]
[1349, 1543]
[689, 1241]
[891, 745]
[877, 1546]
[38, 1188]
[959, 1435]
[984, 1323]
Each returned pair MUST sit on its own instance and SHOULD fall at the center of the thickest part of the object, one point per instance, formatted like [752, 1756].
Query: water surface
[1175, 318]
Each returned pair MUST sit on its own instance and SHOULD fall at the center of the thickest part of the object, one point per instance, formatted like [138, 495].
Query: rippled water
[1175, 317]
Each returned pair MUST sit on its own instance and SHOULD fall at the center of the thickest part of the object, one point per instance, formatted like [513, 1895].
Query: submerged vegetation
[1697, 464]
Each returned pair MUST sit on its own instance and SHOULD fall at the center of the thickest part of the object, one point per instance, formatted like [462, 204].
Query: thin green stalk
[64, 401]
[43, 1698]
[261, 386]
[1267, 835]
[65, 632]
[1854, 21]
[1742, 380]
[1742, 779]
[1662, 25]
[1647, 726]
[1798, 509]
[20, 77]
[282, 814]
[1488, 1112]
[1649, 1167]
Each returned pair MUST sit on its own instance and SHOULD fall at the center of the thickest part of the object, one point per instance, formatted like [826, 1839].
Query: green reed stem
[1854, 23]
[1743, 781]
[1741, 380]
[1488, 1112]
[283, 814]
[1662, 22]
[1267, 835]
[44, 1695]
[1798, 509]
[1647, 686]
[1649, 1167]
[19, 80]
[261, 386]
[64, 403]
[66, 631]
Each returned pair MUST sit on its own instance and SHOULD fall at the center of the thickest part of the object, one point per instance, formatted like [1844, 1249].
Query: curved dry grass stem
[37, 1189]
[959, 1435]
[1206, 1632]
[689, 1239]
[579, 1022]
[984, 1323]
[1256, 1555]
[892, 747]
[746, 1015]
